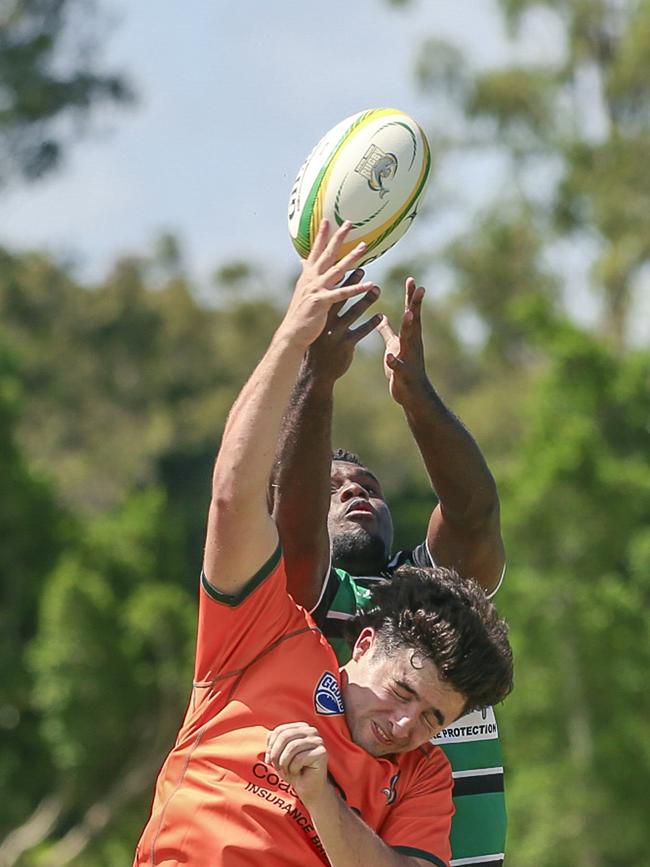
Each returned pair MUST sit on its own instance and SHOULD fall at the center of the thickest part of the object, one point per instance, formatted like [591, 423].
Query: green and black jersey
[471, 743]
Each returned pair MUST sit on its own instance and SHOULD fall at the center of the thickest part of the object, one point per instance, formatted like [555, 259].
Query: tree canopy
[50, 81]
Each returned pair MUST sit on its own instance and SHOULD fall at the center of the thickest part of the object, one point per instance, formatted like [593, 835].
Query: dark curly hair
[448, 620]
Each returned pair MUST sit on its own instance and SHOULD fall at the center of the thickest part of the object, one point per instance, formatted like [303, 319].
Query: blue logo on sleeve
[327, 696]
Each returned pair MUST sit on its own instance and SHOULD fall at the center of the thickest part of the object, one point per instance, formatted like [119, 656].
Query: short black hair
[348, 457]
[448, 620]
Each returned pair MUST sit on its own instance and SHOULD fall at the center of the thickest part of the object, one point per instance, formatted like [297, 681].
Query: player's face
[394, 703]
[359, 520]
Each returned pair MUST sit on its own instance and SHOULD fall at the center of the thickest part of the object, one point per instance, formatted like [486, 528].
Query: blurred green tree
[112, 666]
[50, 81]
[571, 130]
[125, 380]
[32, 530]
[576, 515]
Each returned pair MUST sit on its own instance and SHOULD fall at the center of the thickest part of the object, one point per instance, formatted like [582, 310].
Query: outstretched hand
[404, 353]
[316, 293]
[331, 354]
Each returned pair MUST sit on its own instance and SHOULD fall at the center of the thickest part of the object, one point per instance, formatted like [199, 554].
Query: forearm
[347, 840]
[456, 467]
[241, 534]
[245, 460]
[302, 482]
[464, 530]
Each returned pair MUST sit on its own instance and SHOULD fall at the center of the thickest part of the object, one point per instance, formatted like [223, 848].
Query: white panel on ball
[372, 169]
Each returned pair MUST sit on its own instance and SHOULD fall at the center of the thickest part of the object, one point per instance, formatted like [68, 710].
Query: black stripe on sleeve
[235, 599]
[481, 784]
[489, 862]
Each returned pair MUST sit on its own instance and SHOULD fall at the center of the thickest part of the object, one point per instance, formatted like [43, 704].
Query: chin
[368, 742]
[359, 552]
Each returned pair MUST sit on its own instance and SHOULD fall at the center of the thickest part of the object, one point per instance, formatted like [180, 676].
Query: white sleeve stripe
[477, 772]
[338, 615]
[326, 579]
[498, 587]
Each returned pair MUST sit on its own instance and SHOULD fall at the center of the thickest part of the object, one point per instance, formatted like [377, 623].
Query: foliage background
[113, 395]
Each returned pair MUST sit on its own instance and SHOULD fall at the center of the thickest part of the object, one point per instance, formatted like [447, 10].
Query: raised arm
[301, 485]
[241, 534]
[464, 529]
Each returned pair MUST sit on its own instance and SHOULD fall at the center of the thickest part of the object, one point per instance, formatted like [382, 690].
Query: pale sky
[232, 97]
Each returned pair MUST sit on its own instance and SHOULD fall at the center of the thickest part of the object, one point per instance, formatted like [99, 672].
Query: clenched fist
[297, 752]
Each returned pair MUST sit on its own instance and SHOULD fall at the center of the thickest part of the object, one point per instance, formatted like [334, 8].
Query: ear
[364, 643]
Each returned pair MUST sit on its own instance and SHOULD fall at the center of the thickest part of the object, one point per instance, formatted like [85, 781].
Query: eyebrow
[367, 475]
[362, 476]
[408, 688]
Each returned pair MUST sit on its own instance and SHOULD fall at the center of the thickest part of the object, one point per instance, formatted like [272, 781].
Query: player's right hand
[297, 752]
[315, 291]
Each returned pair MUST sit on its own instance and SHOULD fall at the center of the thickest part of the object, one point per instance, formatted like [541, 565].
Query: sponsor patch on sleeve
[327, 696]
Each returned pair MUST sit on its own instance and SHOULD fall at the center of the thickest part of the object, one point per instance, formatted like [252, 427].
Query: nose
[404, 724]
[351, 490]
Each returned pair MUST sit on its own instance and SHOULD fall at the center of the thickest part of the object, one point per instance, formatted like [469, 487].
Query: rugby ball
[372, 169]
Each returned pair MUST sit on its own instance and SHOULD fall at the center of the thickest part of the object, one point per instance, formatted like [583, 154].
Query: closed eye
[432, 726]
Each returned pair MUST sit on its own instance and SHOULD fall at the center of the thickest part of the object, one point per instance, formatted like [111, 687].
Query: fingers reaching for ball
[319, 287]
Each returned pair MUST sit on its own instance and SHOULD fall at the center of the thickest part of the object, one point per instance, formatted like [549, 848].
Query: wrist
[315, 378]
[287, 340]
[416, 395]
[322, 802]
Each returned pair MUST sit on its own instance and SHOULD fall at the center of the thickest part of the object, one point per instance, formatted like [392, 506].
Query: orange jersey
[260, 662]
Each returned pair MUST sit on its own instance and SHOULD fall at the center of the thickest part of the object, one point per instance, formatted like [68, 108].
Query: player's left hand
[404, 353]
[297, 752]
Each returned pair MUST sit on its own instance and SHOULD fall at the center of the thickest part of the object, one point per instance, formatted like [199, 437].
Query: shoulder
[427, 765]
[343, 594]
[264, 581]
[234, 628]
[424, 783]
[418, 556]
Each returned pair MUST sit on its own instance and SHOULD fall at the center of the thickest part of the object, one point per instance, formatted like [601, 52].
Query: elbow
[225, 474]
[221, 498]
[487, 509]
[221, 502]
[234, 496]
[482, 509]
[225, 490]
